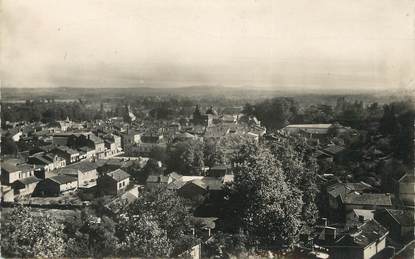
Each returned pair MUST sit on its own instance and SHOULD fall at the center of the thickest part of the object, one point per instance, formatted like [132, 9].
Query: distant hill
[71, 93]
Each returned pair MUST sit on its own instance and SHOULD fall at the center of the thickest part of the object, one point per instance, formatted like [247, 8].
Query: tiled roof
[67, 150]
[84, 166]
[9, 167]
[118, 175]
[208, 184]
[367, 233]
[29, 180]
[407, 178]
[342, 188]
[403, 217]
[310, 126]
[62, 179]
[380, 199]
[333, 149]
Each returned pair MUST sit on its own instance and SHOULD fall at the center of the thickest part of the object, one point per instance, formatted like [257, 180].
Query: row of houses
[21, 180]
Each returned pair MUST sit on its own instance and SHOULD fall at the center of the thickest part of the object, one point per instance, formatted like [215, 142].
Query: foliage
[225, 244]
[169, 213]
[300, 169]
[266, 206]
[186, 157]
[142, 236]
[8, 146]
[26, 235]
[273, 113]
[219, 152]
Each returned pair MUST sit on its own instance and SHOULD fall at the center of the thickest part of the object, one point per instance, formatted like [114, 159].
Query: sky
[299, 44]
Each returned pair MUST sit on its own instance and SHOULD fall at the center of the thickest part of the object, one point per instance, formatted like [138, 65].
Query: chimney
[329, 233]
[323, 222]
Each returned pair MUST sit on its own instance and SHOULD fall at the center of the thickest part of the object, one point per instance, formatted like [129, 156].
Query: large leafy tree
[186, 157]
[300, 170]
[222, 151]
[169, 214]
[274, 113]
[26, 235]
[268, 209]
[141, 235]
[8, 146]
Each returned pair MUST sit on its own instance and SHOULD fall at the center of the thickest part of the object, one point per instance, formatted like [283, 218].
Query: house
[400, 223]
[371, 201]
[202, 119]
[216, 131]
[310, 129]
[406, 189]
[340, 189]
[114, 182]
[13, 170]
[112, 144]
[15, 134]
[85, 172]
[47, 161]
[56, 185]
[408, 251]
[185, 136]
[69, 154]
[229, 118]
[86, 153]
[128, 197]
[359, 215]
[219, 170]
[337, 152]
[153, 181]
[6, 193]
[129, 138]
[93, 142]
[25, 186]
[362, 241]
[200, 187]
[64, 139]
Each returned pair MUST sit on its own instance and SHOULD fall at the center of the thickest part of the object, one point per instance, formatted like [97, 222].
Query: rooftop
[342, 188]
[367, 233]
[29, 180]
[118, 175]
[403, 217]
[380, 199]
[62, 179]
[310, 126]
[333, 149]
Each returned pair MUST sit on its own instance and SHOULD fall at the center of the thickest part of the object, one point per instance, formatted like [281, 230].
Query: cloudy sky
[169, 43]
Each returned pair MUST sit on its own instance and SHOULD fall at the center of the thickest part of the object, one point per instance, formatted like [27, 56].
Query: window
[119, 185]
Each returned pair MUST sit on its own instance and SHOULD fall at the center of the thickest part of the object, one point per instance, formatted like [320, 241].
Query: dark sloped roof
[368, 198]
[9, 167]
[403, 217]
[342, 188]
[29, 180]
[84, 166]
[333, 149]
[407, 178]
[118, 175]
[175, 185]
[62, 179]
[207, 184]
[67, 150]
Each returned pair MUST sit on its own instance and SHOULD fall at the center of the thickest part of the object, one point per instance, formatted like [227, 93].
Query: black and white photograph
[217, 129]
